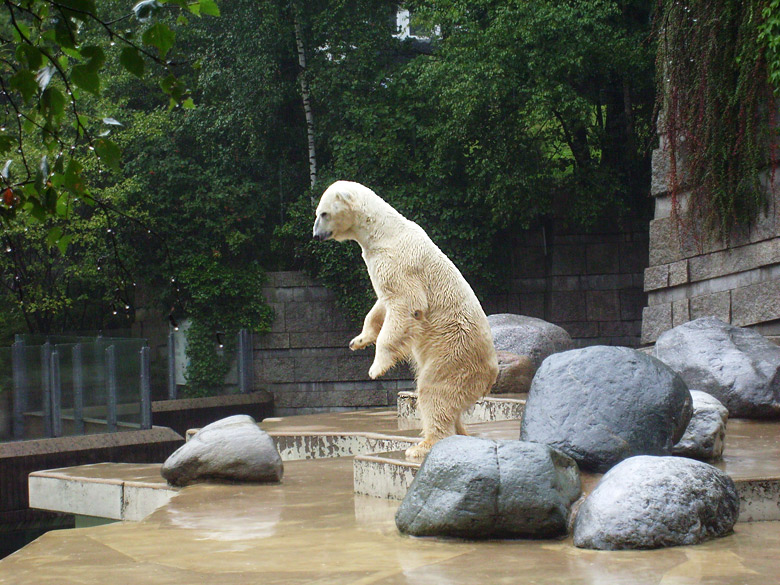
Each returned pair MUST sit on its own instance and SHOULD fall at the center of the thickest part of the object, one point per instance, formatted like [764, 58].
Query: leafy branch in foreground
[53, 59]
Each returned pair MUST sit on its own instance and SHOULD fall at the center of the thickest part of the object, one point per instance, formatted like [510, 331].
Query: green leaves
[161, 37]
[25, 83]
[130, 58]
[54, 63]
[87, 75]
[108, 152]
[204, 7]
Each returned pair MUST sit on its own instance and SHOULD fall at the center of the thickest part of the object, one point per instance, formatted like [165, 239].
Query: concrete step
[751, 458]
[487, 409]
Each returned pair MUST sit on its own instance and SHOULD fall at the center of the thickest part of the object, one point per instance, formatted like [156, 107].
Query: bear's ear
[345, 195]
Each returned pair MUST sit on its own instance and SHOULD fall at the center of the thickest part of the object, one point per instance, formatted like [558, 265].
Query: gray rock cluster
[479, 488]
[652, 502]
[736, 365]
[528, 336]
[706, 433]
[601, 404]
[232, 449]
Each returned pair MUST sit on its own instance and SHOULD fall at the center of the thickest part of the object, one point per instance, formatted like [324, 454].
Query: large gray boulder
[603, 404]
[233, 449]
[652, 502]
[529, 336]
[706, 433]
[737, 366]
[479, 488]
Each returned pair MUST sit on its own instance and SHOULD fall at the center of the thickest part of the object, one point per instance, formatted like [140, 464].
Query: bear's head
[336, 214]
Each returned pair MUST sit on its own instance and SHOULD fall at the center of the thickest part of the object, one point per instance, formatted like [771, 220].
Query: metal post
[146, 389]
[249, 360]
[111, 389]
[56, 395]
[241, 359]
[20, 387]
[46, 388]
[244, 361]
[171, 366]
[78, 390]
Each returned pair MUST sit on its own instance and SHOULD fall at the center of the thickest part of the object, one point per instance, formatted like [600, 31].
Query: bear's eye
[324, 214]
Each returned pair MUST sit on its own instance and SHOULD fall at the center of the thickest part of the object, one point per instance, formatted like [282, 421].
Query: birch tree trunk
[306, 97]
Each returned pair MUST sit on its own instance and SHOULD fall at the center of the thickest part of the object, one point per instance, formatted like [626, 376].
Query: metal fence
[59, 386]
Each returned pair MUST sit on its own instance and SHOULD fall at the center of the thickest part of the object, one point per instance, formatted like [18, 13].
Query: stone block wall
[736, 280]
[304, 360]
[588, 283]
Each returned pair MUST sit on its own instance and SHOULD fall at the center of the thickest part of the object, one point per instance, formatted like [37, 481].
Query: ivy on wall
[715, 91]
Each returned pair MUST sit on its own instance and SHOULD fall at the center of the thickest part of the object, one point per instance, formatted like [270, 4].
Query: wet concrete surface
[312, 529]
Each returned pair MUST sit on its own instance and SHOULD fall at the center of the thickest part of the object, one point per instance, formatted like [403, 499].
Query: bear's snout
[318, 233]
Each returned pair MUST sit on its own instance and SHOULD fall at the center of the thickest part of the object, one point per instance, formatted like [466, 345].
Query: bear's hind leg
[439, 419]
[460, 428]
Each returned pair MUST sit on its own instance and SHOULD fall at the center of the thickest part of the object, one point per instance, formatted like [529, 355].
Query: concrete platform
[312, 529]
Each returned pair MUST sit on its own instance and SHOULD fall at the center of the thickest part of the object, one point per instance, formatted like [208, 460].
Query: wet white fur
[425, 312]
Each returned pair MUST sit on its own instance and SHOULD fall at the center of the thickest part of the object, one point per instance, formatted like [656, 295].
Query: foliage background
[517, 112]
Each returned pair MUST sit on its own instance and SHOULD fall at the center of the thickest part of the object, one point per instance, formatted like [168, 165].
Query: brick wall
[737, 281]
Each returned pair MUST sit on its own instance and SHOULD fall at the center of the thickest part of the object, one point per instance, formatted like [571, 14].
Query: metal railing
[74, 385]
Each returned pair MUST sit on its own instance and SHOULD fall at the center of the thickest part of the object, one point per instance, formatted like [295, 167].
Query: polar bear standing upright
[425, 311]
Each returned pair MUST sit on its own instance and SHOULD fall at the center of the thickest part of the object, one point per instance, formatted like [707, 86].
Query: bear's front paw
[375, 371]
[357, 343]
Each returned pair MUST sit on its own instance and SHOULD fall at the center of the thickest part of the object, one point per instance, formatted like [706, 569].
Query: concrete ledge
[488, 409]
[19, 459]
[117, 491]
[383, 475]
[322, 445]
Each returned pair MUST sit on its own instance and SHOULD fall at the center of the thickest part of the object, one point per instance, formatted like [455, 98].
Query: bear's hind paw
[419, 451]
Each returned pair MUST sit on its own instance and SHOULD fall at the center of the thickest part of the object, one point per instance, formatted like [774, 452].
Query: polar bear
[425, 313]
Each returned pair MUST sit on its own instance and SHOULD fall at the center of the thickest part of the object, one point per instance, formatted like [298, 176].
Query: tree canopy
[164, 160]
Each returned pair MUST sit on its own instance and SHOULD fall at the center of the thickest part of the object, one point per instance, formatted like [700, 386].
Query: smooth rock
[478, 488]
[652, 502]
[706, 433]
[529, 336]
[736, 365]
[515, 373]
[603, 404]
[233, 449]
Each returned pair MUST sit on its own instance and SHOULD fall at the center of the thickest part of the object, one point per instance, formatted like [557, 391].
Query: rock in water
[479, 488]
[652, 502]
[601, 404]
[737, 366]
[528, 336]
[706, 433]
[233, 449]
